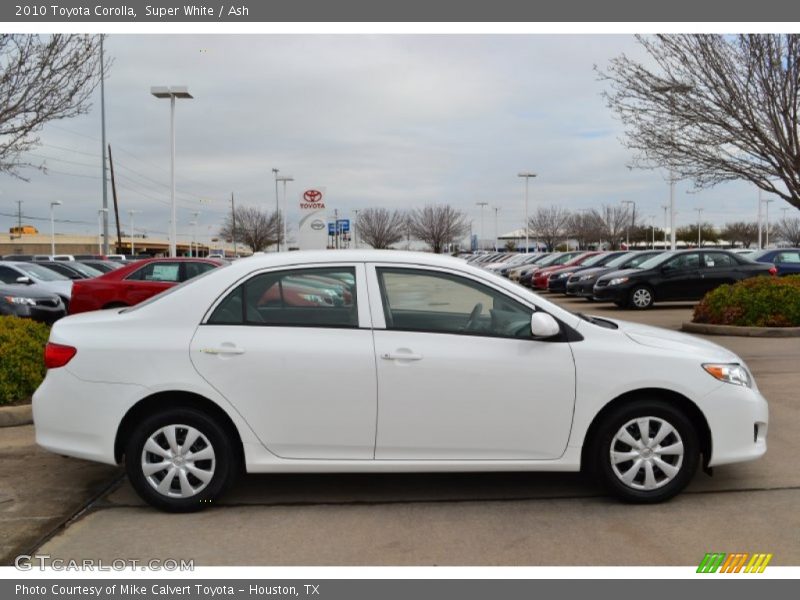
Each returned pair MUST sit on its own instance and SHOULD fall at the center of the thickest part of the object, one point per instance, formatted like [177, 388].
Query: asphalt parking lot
[460, 519]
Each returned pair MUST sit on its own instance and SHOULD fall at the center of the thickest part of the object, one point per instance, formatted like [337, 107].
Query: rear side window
[158, 271]
[193, 269]
[299, 298]
[788, 257]
[719, 259]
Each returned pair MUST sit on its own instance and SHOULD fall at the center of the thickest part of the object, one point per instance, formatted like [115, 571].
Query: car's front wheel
[645, 452]
[641, 297]
[180, 460]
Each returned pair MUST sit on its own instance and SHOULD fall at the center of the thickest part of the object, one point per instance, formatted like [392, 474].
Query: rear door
[292, 350]
[718, 268]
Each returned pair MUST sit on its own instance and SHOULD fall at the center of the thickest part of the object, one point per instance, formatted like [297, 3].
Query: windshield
[41, 273]
[85, 269]
[621, 259]
[589, 262]
[657, 260]
[549, 260]
[754, 255]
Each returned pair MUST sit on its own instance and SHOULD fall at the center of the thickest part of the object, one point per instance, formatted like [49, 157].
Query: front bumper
[580, 288]
[42, 314]
[557, 285]
[610, 293]
[738, 418]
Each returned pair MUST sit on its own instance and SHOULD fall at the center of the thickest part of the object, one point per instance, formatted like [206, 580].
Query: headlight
[586, 278]
[564, 275]
[729, 373]
[20, 300]
[618, 280]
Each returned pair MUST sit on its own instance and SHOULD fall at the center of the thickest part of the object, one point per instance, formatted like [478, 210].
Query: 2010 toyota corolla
[417, 363]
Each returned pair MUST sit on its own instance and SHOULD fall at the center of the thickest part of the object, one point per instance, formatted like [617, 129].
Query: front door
[680, 278]
[292, 351]
[459, 377]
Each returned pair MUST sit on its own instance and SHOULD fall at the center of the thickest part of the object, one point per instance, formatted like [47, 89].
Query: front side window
[323, 297]
[416, 300]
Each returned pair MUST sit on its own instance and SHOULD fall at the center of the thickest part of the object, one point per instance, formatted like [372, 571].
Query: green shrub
[756, 302]
[22, 343]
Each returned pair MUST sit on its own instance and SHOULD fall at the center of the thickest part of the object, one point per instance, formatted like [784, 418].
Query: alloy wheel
[646, 453]
[642, 298]
[178, 461]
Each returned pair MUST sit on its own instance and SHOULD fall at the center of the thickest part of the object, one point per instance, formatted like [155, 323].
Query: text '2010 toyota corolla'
[380, 361]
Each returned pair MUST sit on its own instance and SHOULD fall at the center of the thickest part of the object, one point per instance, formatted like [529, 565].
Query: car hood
[656, 337]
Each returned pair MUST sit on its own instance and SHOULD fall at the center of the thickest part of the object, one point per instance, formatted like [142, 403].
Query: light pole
[699, 226]
[760, 227]
[653, 228]
[355, 228]
[282, 222]
[194, 235]
[628, 229]
[669, 88]
[176, 91]
[527, 177]
[766, 217]
[482, 205]
[277, 209]
[130, 215]
[53, 227]
[101, 213]
[666, 208]
[496, 210]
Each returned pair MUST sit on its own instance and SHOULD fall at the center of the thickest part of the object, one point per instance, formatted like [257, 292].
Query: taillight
[773, 271]
[57, 355]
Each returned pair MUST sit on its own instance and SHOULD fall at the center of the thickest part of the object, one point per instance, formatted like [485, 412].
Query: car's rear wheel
[641, 297]
[180, 460]
[645, 452]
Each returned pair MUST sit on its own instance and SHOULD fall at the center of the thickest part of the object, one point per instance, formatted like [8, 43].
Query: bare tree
[550, 225]
[380, 227]
[612, 221]
[255, 228]
[438, 226]
[714, 108]
[583, 227]
[740, 232]
[788, 230]
[42, 78]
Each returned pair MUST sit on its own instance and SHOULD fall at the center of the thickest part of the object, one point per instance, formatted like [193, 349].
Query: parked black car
[103, 266]
[582, 283]
[21, 301]
[680, 275]
[558, 279]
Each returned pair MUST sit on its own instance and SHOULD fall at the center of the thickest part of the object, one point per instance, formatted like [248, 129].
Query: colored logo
[312, 196]
[736, 562]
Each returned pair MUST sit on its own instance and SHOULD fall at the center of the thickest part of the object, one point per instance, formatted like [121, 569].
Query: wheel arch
[687, 406]
[174, 399]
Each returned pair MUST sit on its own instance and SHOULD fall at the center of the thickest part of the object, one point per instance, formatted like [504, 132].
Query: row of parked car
[638, 279]
[45, 288]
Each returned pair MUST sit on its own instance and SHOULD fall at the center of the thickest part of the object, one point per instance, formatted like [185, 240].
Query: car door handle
[223, 350]
[401, 356]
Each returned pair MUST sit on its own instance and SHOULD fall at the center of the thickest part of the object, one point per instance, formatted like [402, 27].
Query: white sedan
[381, 361]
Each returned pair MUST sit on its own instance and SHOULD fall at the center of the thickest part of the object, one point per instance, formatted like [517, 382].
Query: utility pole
[104, 210]
[116, 206]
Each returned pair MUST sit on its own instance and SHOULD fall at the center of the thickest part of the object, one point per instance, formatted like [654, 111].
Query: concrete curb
[13, 416]
[767, 332]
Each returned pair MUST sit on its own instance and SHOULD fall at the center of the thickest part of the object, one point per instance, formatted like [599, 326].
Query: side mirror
[25, 280]
[544, 326]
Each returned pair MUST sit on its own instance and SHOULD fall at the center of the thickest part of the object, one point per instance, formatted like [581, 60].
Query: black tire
[224, 465]
[641, 297]
[605, 441]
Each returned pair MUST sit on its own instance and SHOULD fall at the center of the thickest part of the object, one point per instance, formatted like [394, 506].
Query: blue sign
[344, 225]
[331, 229]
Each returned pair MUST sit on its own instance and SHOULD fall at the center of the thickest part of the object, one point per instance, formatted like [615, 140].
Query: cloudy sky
[377, 120]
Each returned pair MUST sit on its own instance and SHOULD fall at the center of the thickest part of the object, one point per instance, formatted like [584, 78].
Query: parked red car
[542, 276]
[136, 282]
